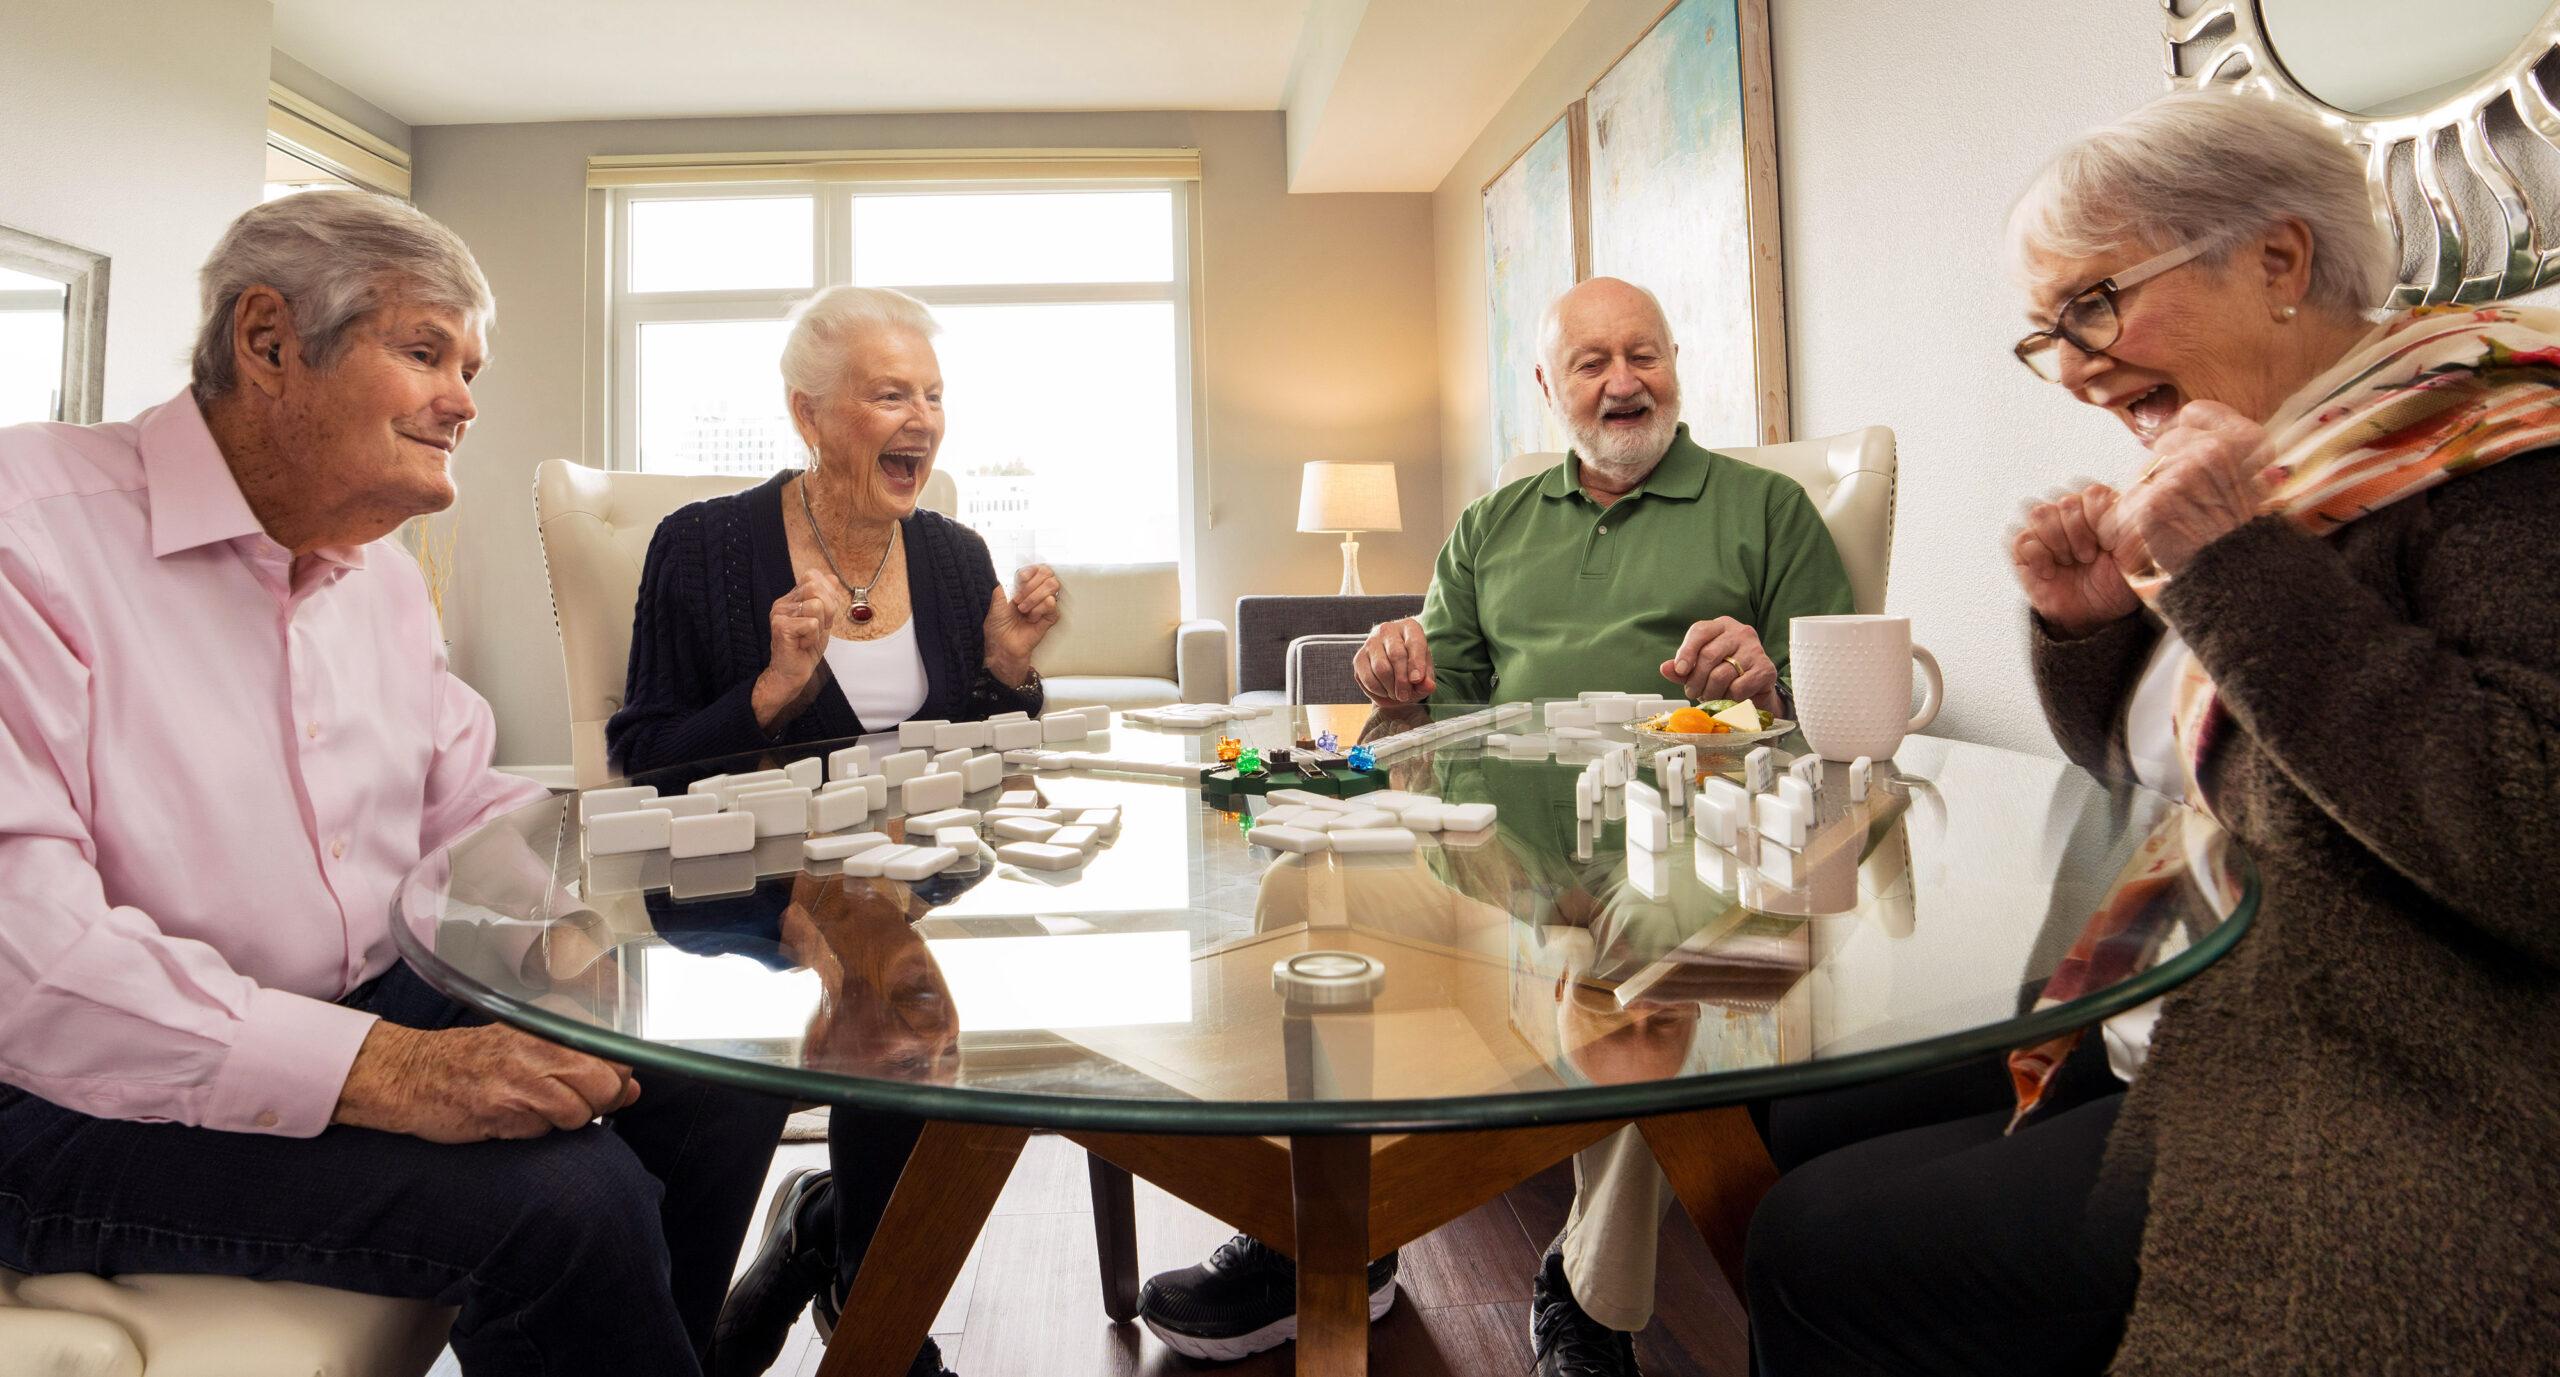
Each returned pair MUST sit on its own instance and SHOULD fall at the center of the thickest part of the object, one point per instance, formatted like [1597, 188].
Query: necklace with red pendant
[861, 609]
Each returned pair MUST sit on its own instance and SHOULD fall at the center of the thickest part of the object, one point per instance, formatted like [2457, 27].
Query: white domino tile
[1717, 819]
[808, 772]
[1062, 727]
[595, 803]
[926, 793]
[1647, 826]
[920, 862]
[955, 736]
[1019, 798]
[982, 772]
[1759, 769]
[1467, 817]
[841, 845]
[1043, 814]
[688, 805]
[1861, 778]
[919, 732]
[1032, 855]
[1298, 840]
[871, 862]
[1081, 838]
[735, 785]
[1779, 820]
[782, 812]
[1022, 829]
[838, 809]
[1357, 818]
[1430, 815]
[1015, 736]
[1617, 709]
[1286, 815]
[903, 766]
[632, 829]
[712, 834]
[950, 761]
[961, 839]
[1795, 791]
[1105, 821]
[922, 823]
[849, 762]
[1807, 768]
[1372, 840]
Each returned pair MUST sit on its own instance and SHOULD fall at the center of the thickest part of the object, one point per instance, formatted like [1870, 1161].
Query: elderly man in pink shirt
[226, 732]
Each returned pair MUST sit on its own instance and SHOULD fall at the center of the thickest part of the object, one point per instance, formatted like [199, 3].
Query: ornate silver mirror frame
[83, 276]
[2456, 208]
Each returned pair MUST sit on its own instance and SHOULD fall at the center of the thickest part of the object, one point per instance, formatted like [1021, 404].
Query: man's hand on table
[467, 1085]
[1723, 659]
[1394, 664]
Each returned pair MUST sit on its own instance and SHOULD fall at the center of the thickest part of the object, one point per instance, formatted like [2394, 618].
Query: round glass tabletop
[1184, 979]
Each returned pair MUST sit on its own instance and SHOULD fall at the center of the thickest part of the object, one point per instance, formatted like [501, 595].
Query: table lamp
[1349, 498]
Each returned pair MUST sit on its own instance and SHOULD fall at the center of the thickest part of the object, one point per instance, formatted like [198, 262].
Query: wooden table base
[1333, 1202]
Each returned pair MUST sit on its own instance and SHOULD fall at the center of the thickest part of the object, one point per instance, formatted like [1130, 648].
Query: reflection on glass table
[1520, 964]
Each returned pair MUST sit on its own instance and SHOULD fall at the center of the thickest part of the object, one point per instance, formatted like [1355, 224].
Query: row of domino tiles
[1385, 822]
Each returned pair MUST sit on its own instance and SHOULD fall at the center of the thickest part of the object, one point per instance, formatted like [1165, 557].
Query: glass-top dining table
[1268, 1033]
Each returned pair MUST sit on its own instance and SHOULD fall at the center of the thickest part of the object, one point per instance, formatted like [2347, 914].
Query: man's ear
[1543, 390]
[262, 339]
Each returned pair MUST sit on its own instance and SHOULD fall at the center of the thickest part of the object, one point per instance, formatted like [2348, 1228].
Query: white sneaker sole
[1270, 1336]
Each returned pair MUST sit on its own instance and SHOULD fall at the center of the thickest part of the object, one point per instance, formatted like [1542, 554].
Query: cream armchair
[1121, 641]
[595, 529]
[1851, 478]
[71, 1325]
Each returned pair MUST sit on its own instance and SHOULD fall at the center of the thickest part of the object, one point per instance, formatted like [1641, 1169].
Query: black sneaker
[928, 1360]
[1243, 1300]
[785, 1276]
[1570, 1343]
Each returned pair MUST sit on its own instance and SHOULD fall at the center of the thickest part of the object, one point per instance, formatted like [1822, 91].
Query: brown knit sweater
[2351, 1125]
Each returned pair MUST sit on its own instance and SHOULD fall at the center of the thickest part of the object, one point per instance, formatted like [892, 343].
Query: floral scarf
[2429, 395]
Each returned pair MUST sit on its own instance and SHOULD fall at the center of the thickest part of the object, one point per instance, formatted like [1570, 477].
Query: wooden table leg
[1719, 1169]
[1115, 1237]
[1329, 1185]
[942, 1201]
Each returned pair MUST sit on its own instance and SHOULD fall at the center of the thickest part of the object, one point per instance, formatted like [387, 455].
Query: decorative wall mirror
[2452, 105]
[53, 330]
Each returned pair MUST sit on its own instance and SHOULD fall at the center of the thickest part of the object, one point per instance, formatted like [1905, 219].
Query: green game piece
[1249, 764]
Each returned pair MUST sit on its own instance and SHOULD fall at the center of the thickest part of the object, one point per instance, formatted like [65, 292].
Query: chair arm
[1200, 660]
[1320, 669]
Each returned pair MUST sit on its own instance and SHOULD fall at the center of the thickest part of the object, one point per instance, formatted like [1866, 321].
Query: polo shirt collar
[194, 500]
[1681, 476]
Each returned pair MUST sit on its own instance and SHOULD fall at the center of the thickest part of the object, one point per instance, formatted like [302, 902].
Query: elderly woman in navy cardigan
[825, 603]
[819, 605]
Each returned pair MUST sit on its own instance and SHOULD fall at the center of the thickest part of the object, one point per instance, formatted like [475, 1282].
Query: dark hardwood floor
[1029, 1302]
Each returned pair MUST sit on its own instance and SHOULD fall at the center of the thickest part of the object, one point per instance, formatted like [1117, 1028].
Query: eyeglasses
[2089, 319]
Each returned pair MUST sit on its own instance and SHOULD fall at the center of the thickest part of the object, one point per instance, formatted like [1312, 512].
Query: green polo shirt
[1543, 593]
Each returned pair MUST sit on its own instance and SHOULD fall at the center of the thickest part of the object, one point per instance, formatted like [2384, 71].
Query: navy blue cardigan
[701, 633]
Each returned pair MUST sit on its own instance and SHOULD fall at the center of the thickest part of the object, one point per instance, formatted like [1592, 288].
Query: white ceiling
[1387, 93]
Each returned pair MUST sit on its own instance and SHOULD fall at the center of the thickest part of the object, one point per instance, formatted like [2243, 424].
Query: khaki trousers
[1619, 1194]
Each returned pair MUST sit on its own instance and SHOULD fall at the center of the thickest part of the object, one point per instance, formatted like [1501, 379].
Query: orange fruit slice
[1690, 720]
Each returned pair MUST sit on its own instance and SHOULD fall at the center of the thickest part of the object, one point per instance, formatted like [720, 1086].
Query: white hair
[332, 256]
[2213, 168]
[828, 327]
[1551, 320]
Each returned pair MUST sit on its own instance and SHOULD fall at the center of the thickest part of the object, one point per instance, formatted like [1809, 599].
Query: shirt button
[338, 849]
[312, 731]
[1603, 530]
[266, 1118]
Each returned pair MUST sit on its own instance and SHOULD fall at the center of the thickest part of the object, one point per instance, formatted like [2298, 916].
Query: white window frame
[621, 313]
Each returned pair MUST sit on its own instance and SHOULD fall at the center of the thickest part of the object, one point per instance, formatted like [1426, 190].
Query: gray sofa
[1268, 626]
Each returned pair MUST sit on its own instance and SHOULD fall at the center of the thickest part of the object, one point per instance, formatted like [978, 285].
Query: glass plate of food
[1713, 726]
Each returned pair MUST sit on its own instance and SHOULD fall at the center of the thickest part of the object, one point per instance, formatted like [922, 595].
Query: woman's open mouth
[902, 470]
[2152, 411]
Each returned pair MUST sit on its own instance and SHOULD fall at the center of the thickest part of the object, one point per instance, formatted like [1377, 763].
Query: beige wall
[138, 136]
[1903, 132]
[1316, 324]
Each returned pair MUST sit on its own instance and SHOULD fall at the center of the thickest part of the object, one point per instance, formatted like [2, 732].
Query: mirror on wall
[2368, 57]
[53, 330]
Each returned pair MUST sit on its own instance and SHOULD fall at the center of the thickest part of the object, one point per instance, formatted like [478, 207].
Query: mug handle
[1933, 690]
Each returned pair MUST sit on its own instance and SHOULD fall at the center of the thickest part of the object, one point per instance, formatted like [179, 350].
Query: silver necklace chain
[861, 591]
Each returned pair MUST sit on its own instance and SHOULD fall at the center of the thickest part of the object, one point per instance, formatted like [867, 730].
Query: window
[53, 330]
[31, 319]
[313, 148]
[1065, 344]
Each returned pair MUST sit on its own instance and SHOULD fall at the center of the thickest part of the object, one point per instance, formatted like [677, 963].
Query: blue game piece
[1328, 743]
[1363, 759]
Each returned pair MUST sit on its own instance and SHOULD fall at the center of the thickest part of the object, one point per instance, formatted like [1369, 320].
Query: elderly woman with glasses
[2325, 608]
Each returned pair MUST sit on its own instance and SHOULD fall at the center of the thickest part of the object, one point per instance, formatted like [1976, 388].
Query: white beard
[1626, 455]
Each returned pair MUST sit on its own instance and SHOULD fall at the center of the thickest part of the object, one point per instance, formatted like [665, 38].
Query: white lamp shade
[1349, 497]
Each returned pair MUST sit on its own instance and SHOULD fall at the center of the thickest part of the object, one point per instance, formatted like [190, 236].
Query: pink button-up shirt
[214, 769]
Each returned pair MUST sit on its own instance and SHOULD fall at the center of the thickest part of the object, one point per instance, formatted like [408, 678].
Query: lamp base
[1351, 568]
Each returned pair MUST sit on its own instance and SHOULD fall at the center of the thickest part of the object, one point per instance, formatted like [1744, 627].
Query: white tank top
[882, 680]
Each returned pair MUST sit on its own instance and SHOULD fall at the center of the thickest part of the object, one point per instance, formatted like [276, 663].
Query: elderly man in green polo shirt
[1641, 558]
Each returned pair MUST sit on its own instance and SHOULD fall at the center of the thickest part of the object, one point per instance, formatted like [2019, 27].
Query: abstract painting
[1529, 258]
[1683, 200]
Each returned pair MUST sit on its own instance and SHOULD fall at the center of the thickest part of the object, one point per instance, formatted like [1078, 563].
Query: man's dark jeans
[606, 1249]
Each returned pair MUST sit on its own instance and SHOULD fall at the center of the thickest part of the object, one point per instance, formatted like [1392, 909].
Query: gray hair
[332, 256]
[827, 328]
[2213, 168]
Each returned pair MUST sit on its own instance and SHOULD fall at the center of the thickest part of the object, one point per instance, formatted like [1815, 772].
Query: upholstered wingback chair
[595, 527]
[1121, 641]
[1851, 479]
[187, 1326]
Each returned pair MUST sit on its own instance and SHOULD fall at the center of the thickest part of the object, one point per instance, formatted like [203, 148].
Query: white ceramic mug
[1853, 684]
